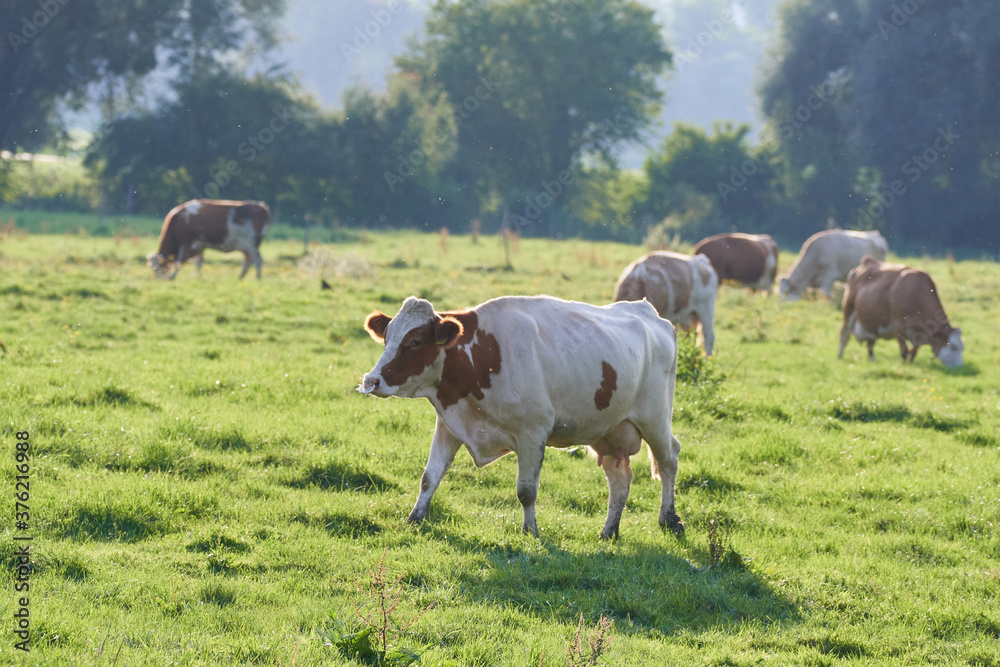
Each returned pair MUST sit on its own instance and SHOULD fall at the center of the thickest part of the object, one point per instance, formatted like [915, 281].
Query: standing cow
[829, 256]
[209, 223]
[894, 301]
[682, 288]
[748, 259]
[517, 374]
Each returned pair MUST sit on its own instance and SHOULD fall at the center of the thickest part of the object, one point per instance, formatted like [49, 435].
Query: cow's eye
[416, 343]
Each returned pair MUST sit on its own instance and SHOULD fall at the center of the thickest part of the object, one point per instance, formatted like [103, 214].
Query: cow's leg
[181, 257]
[200, 259]
[530, 454]
[845, 333]
[246, 265]
[871, 349]
[664, 449]
[614, 452]
[904, 350]
[444, 446]
[707, 318]
[258, 261]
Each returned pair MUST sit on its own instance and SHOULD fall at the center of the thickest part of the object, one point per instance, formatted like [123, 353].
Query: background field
[207, 485]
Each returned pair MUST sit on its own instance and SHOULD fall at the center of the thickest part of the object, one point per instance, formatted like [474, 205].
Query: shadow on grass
[88, 522]
[860, 411]
[641, 588]
[112, 397]
[338, 524]
[341, 477]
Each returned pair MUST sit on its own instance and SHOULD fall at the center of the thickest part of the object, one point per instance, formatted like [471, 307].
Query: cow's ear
[376, 324]
[447, 332]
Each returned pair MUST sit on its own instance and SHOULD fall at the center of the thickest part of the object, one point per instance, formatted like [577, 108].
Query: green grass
[207, 485]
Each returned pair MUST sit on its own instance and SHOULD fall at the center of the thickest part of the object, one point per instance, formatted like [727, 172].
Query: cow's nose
[369, 385]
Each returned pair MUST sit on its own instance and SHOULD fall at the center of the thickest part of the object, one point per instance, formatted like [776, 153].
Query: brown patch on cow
[468, 365]
[419, 347]
[609, 383]
[415, 353]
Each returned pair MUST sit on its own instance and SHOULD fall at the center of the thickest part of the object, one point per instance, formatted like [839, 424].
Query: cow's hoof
[673, 523]
[414, 519]
[609, 534]
[530, 530]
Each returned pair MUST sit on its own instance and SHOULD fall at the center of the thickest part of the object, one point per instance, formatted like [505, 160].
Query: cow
[895, 301]
[682, 288]
[828, 256]
[748, 259]
[209, 223]
[518, 374]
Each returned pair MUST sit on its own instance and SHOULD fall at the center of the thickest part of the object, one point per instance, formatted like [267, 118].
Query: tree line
[879, 115]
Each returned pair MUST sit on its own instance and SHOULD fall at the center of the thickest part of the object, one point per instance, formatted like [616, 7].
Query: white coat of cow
[682, 288]
[895, 301]
[210, 223]
[828, 256]
[517, 374]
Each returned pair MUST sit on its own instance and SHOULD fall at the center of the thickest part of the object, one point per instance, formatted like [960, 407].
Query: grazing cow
[826, 257]
[209, 223]
[894, 301]
[517, 374]
[682, 288]
[749, 259]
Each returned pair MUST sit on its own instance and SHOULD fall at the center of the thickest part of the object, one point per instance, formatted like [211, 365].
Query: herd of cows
[517, 373]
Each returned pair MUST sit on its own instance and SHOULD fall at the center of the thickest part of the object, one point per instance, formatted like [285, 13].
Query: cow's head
[159, 264]
[786, 291]
[415, 341]
[948, 348]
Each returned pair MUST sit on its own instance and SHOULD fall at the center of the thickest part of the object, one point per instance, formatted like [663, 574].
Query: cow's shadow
[644, 588]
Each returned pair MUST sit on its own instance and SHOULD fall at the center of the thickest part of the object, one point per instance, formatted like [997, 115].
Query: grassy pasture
[207, 485]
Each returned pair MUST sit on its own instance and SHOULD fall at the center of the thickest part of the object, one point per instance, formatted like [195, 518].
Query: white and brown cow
[895, 301]
[747, 259]
[517, 374]
[210, 223]
[682, 288]
[828, 256]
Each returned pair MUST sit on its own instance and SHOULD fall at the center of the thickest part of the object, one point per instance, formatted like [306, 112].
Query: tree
[54, 50]
[711, 183]
[223, 136]
[535, 85]
[885, 115]
[805, 92]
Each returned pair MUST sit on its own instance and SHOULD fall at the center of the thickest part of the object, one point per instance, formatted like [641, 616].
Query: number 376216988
[22, 489]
